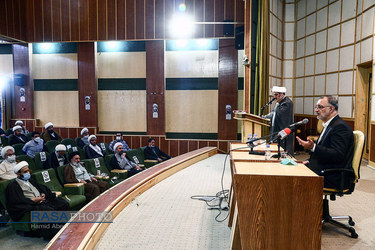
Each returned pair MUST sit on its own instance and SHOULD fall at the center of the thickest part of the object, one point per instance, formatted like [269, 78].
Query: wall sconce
[245, 61]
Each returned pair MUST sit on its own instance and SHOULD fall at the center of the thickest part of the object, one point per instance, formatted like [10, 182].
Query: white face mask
[37, 139]
[86, 136]
[118, 138]
[11, 159]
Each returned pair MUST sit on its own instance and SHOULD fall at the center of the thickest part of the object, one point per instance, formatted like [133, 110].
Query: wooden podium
[251, 124]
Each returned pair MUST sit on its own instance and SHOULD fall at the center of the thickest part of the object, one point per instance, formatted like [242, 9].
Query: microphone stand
[251, 143]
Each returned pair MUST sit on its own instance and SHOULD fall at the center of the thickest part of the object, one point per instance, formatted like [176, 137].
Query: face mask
[11, 158]
[37, 139]
[26, 176]
[86, 136]
[118, 138]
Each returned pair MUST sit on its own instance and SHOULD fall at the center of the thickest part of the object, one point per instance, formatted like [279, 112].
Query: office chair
[359, 145]
[319, 129]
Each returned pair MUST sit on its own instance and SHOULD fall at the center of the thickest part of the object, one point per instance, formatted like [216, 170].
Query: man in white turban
[119, 161]
[17, 136]
[25, 194]
[20, 123]
[6, 167]
[84, 140]
[57, 158]
[282, 116]
[93, 150]
[50, 134]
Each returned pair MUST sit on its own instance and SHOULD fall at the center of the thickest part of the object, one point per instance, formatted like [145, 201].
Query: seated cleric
[50, 134]
[93, 150]
[24, 195]
[334, 147]
[84, 140]
[7, 166]
[152, 152]
[17, 136]
[75, 173]
[119, 161]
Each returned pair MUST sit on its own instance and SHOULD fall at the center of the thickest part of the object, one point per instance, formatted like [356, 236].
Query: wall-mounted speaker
[19, 79]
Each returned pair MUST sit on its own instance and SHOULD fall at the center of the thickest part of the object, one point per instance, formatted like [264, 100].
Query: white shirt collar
[325, 124]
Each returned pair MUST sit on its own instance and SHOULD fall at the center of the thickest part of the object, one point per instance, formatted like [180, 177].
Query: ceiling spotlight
[181, 26]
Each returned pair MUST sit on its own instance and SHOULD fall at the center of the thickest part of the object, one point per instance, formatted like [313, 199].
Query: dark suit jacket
[284, 117]
[150, 155]
[334, 150]
[52, 161]
[92, 154]
[14, 139]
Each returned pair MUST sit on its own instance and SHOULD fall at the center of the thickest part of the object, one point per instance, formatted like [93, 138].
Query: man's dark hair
[150, 140]
[35, 133]
[332, 101]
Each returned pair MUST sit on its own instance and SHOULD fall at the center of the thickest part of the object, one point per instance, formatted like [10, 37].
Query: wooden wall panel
[219, 17]
[47, 20]
[21, 66]
[372, 142]
[120, 19]
[140, 19]
[136, 142]
[193, 145]
[228, 74]
[130, 19]
[199, 17]
[173, 148]
[3, 19]
[65, 21]
[155, 86]
[184, 147]
[74, 20]
[17, 18]
[159, 19]
[38, 17]
[84, 20]
[111, 20]
[93, 20]
[202, 144]
[102, 20]
[209, 15]
[149, 18]
[56, 20]
[87, 84]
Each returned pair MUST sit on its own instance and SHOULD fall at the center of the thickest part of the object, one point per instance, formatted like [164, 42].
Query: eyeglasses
[321, 107]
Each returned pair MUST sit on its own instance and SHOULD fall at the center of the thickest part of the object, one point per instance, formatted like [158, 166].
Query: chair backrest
[319, 126]
[4, 141]
[51, 145]
[3, 186]
[68, 141]
[29, 160]
[48, 178]
[60, 173]
[79, 150]
[359, 146]
[104, 147]
[93, 165]
[18, 149]
[136, 155]
[108, 160]
[40, 159]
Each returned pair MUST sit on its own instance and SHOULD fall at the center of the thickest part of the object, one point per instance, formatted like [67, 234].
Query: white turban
[48, 125]
[84, 130]
[92, 136]
[19, 166]
[19, 122]
[16, 127]
[278, 89]
[60, 147]
[116, 145]
[5, 149]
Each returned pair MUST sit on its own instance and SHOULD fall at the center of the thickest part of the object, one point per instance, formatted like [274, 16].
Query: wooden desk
[243, 147]
[276, 206]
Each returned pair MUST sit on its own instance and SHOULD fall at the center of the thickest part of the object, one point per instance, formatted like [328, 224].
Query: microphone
[304, 121]
[284, 133]
[270, 101]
